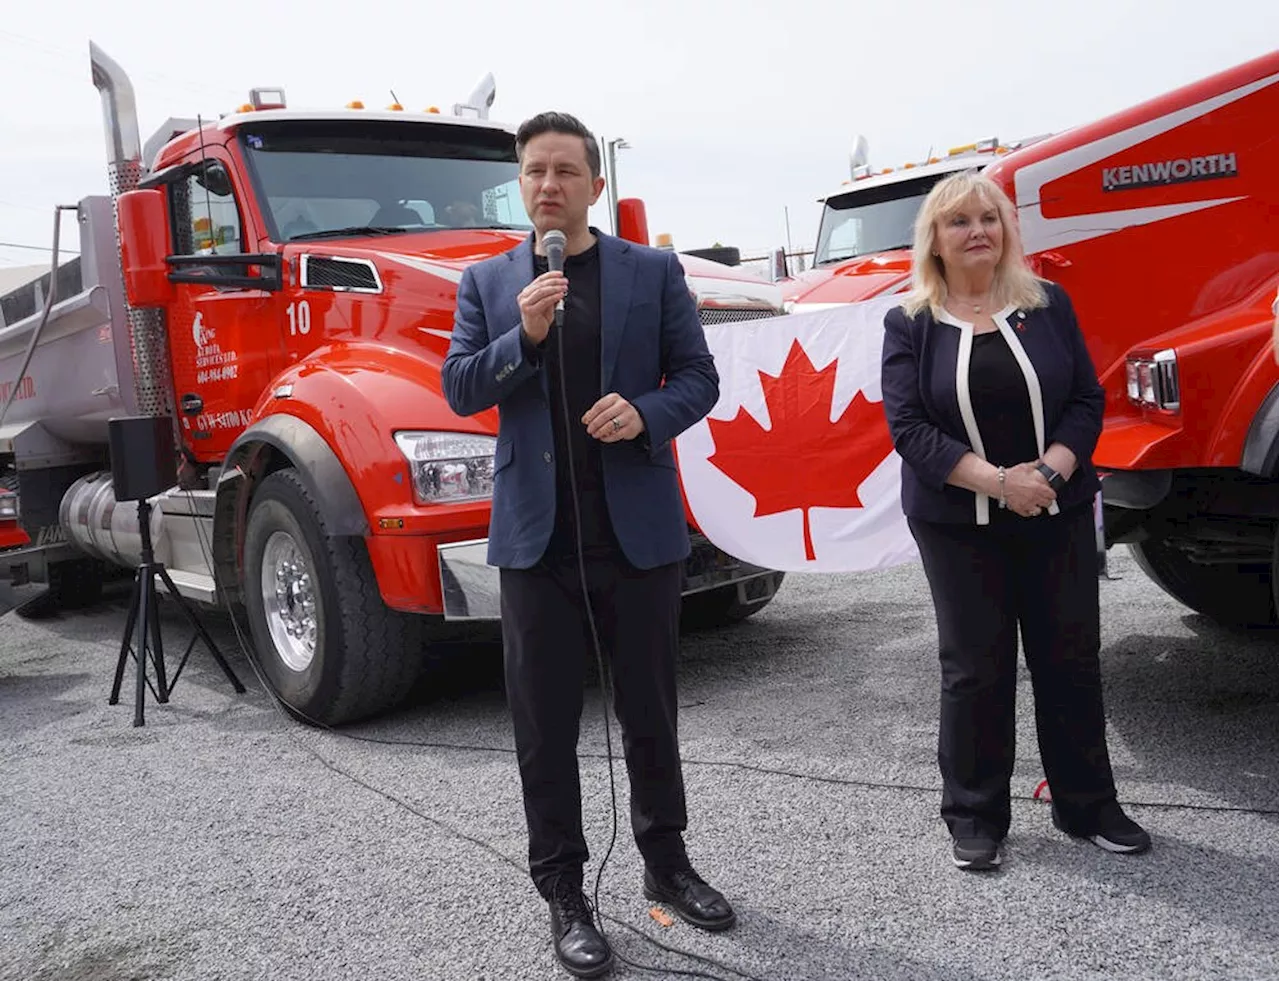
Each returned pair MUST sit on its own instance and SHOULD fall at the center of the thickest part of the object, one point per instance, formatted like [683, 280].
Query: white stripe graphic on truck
[1040, 233]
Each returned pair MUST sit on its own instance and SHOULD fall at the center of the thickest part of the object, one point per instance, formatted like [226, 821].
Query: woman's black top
[999, 393]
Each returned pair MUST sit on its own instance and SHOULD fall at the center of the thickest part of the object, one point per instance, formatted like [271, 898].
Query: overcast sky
[734, 110]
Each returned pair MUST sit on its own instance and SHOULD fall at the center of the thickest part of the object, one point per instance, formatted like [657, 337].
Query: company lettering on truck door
[225, 343]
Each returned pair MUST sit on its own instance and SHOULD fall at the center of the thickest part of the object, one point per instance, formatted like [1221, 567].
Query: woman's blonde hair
[1014, 281]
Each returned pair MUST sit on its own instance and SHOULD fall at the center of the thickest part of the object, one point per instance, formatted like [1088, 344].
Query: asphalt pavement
[225, 841]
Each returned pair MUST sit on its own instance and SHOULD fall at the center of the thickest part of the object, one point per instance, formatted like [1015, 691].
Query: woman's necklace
[977, 306]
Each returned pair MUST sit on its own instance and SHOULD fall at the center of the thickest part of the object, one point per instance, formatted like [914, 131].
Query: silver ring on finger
[616, 424]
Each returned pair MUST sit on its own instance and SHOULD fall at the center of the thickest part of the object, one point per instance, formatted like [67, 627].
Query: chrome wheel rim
[288, 599]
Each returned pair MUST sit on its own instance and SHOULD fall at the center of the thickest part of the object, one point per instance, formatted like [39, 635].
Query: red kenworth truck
[1161, 222]
[281, 283]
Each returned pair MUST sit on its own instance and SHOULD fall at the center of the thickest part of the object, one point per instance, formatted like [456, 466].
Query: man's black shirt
[581, 370]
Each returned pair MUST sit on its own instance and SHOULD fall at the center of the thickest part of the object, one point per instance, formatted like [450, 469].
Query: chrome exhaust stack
[120, 121]
[125, 170]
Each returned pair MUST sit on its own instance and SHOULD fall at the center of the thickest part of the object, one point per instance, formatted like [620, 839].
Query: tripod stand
[144, 615]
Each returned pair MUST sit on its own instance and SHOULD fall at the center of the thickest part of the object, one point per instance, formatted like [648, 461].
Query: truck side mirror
[144, 246]
[633, 223]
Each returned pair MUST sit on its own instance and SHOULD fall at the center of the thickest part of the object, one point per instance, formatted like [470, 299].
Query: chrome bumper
[470, 584]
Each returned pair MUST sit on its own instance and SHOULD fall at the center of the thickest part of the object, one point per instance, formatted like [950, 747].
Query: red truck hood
[426, 267]
[850, 281]
[407, 316]
[403, 261]
[418, 275]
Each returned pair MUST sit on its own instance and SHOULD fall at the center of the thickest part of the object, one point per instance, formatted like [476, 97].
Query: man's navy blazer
[924, 381]
[652, 352]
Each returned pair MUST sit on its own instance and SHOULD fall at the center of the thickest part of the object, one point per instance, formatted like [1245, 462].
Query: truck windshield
[329, 179]
[876, 219]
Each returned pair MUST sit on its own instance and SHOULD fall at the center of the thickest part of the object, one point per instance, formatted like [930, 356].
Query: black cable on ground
[798, 775]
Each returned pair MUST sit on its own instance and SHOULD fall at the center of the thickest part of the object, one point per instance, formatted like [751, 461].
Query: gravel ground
[222, 841]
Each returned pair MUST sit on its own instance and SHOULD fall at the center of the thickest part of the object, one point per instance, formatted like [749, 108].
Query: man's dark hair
[559, 122]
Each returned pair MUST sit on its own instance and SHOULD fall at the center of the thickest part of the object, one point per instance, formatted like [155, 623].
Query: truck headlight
[8, 507]
[448, 467]
[1151, 380]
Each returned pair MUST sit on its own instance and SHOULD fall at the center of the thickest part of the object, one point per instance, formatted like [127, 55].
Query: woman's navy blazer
[925, 384]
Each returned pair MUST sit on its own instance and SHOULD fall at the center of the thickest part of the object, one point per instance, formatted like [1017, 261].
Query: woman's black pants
[1040, 576]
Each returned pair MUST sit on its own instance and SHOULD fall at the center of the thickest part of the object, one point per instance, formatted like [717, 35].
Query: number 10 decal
[300, 318]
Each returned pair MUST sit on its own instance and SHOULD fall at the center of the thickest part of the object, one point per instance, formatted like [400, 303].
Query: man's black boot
[693, 900]
[580, 948]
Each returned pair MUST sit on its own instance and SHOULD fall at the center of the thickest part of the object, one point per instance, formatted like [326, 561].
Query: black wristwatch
[1056, 480]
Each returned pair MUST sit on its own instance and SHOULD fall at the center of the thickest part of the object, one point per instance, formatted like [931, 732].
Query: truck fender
[1262, 443]
[265, 446]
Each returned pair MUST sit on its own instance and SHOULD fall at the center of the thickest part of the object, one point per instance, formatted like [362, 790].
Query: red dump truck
[280, 284]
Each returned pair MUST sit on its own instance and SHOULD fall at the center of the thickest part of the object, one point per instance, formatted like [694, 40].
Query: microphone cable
[606, 687]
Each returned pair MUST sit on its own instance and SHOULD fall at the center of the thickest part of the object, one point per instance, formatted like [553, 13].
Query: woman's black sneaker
[1114, 832]
[975, 854]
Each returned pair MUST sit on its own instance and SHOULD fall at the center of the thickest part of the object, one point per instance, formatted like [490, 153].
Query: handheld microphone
[554, 241]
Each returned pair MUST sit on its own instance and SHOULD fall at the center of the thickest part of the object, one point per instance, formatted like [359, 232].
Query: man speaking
[595, 368]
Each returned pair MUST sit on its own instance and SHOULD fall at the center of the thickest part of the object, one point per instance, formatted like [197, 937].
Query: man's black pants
[547, 646]
[1041, 575]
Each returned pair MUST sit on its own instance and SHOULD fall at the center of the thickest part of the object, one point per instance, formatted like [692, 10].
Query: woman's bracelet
[1000, 477]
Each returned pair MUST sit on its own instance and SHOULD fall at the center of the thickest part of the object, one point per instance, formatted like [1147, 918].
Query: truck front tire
[330, 648]
[1235, 595]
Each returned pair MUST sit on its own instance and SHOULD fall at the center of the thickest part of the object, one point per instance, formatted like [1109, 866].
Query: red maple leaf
[803, 460]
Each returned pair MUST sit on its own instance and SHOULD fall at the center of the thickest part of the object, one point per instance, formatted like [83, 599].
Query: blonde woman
[995, 408]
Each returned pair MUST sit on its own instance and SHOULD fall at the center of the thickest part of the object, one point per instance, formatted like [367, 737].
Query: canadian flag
[793, 469]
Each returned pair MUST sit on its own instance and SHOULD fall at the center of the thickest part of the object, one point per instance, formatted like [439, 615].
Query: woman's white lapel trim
[982, 503]
[1034, 395]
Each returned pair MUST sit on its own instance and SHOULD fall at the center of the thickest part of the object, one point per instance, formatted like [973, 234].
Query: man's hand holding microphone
[541, 304]
[538, 303]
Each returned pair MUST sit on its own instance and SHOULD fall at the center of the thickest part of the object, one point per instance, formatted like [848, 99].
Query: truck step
[192, 585]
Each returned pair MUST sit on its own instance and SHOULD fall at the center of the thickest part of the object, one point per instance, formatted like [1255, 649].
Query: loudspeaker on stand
[144, 464]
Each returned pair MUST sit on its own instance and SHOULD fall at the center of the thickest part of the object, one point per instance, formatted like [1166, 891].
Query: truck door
[224, 340]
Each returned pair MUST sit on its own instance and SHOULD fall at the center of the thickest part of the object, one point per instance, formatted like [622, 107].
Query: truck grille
[334, 273]
[719, 315]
